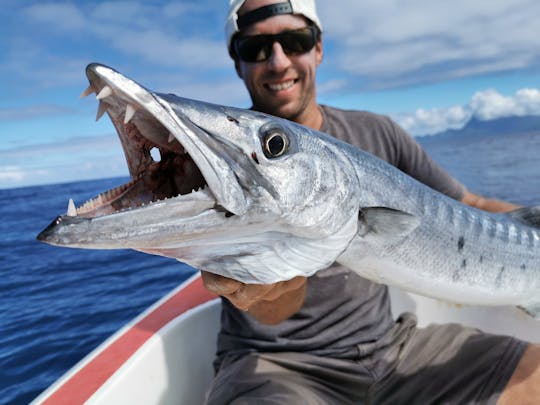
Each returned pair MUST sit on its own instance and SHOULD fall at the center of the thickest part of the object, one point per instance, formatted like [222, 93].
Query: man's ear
[319, 53]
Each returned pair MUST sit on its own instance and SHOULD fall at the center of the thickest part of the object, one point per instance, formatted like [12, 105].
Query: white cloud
[485, 105]
[393, 42]
[489, 104]
[375, 44]
[62, 16]
[230, 92]
[79, 158]
[11, 174]
[161, 48]
[50, 43]
[423, 122]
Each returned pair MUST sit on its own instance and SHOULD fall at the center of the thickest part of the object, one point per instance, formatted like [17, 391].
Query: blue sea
[57, 304]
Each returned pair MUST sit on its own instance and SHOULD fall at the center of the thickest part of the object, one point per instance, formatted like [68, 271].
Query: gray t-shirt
[342, 310]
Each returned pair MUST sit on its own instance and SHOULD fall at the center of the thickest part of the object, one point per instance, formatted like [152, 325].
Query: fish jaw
[150, 226]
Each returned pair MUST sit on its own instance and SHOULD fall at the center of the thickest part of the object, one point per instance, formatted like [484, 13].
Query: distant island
[500, 126]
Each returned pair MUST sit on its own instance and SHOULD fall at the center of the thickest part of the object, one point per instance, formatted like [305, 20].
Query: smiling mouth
[281, 86]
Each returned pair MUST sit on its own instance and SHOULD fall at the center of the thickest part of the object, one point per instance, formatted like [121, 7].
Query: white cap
[304, 7]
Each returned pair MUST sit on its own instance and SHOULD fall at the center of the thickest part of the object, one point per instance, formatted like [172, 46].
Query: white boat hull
[165, 355]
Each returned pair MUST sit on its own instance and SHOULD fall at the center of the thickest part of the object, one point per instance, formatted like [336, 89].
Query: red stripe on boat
[86, 381]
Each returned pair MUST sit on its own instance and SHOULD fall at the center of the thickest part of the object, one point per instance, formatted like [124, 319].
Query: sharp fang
[71, 211]
[171, 137]
[89, 90]
[130, 112]
[101, 110]
[106, 91]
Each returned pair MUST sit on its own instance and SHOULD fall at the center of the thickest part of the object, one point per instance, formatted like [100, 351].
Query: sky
[431, 65]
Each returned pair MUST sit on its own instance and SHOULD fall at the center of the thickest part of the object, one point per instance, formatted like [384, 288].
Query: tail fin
[533, 310]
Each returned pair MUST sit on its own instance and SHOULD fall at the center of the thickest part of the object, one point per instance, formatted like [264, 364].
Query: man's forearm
[487, 204]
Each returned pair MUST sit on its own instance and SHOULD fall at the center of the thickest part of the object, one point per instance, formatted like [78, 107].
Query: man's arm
[487, 204]
[269, 304]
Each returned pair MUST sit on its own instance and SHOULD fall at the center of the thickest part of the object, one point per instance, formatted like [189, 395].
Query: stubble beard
[291, 109]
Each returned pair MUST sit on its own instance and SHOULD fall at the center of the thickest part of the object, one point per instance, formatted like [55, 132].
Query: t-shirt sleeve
[379, 135]
[412, 159]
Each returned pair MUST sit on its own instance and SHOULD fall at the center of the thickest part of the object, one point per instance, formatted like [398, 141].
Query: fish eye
[275, 143]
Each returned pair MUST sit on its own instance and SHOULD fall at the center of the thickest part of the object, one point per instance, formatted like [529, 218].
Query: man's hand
[487, 204]
[268, 303]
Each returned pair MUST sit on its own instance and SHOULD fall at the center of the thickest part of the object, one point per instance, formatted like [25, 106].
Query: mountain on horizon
[499, 126]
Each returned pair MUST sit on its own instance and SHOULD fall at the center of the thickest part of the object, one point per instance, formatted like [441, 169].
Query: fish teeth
[130, 112]
[106, 91]
[89, 90]
[71, 210]
[101, 110]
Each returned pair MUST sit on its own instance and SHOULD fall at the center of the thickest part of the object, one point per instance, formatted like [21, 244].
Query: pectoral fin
[382, 225]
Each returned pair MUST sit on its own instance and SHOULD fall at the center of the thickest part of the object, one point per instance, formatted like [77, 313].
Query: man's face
[283, 85]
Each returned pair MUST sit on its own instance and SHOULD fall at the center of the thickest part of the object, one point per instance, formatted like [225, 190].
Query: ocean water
[57, 304]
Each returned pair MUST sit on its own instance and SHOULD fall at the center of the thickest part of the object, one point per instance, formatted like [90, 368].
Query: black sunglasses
[258, 48]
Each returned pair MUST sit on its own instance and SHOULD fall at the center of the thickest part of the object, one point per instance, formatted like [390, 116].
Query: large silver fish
[260, 199]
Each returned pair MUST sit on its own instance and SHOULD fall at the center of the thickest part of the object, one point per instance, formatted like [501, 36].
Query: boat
[164, 356]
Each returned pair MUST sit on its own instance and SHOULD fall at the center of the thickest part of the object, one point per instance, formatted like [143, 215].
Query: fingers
[218, 284]
[285, 287]
[243, 296]
[249, 294]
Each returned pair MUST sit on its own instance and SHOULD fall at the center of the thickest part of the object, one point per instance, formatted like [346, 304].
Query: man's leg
[524, 385]
[288, 378]
[451, 364]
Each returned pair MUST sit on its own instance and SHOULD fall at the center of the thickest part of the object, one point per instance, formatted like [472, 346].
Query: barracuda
[260, 199]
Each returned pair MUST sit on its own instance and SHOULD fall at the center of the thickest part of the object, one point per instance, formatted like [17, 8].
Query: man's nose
[278, 59]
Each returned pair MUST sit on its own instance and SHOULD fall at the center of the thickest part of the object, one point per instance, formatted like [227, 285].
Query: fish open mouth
[159, 165]
[161, 173]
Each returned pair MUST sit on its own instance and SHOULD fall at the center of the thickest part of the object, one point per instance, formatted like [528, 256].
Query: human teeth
[130, 112]
[281, 86]
[106, 91]
[71, 211]
[101, 110]
[89, 90]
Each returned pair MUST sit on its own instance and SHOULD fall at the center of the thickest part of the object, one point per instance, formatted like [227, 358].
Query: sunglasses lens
[258, 48]
[253, 49]
[297, 42]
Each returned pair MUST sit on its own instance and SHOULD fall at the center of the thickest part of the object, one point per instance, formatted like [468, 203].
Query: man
[331, 338]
